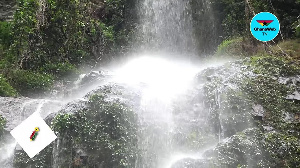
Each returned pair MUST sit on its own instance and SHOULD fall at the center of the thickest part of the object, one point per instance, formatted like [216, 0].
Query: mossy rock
[105, 129]
[245, 149]
[253, 148]
[274, 65]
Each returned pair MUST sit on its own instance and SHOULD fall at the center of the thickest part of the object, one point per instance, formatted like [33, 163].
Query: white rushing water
[163, 83]
[166, 26]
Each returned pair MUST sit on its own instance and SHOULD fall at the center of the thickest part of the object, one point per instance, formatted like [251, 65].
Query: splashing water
[161, 81]
[164, 78]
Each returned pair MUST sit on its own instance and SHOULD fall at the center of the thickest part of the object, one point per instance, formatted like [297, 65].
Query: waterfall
[167, 26]
[173, 120]
[186, 28]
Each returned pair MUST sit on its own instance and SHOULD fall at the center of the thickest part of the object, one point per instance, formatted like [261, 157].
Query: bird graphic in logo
[34, 133]
[265, 22]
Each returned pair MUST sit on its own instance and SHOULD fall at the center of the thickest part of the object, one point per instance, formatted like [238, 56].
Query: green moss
[6, 90]
[243, 150]
[106, 130]
[29, 83]
[284, 149]
[253, 148]
[265, 89]
[275, 66]
[271, 95]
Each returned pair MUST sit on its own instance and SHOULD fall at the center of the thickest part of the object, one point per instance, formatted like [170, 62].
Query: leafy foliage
[5, 88]
[57, 36]
[231, 47]
[237, 14]
[30, 83]
[60, 70]
[5, 34]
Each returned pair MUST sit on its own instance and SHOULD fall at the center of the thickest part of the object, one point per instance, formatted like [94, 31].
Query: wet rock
[290, 81]
[268, 128]
[294, 96]
[16, 110]
[291, 117]
[258, 110]
[7, 9]
[92, 77]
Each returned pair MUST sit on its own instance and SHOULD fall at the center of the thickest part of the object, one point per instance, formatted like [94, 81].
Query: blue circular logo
[264, 26]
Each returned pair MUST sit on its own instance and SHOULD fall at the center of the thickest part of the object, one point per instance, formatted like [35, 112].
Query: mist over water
[165, 83]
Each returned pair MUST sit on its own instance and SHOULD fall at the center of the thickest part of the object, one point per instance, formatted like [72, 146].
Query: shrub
[231, 47]
[5, 34]
[60, 70]
[6, 89]
[29, 83]
[288, 47]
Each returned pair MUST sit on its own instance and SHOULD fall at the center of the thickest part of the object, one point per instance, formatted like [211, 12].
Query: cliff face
[7, 8]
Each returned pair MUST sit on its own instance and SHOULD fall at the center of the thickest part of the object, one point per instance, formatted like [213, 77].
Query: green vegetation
[60, 70]
[6, 89]
[30, 83]
[57, 36]
[274, 66]
[287, 48]
[237, 14]
[231, 92]
[230, 47]
[106, 130]
[243, 150]
[266, 90]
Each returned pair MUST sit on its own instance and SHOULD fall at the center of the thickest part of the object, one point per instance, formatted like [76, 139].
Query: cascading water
[186, 28]
[173, 120]
[167, 26]
[162, 85]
